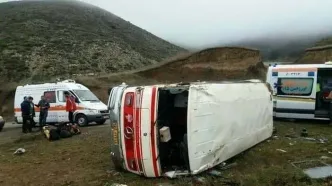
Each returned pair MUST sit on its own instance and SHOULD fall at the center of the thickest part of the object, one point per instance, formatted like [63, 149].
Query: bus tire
[81, 120]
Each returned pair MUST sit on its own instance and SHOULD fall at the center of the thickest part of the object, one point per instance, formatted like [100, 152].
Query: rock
[281, 150]
[19, 151]
[324, 157]
[164, 184]
[200, 180]
[304, 133]
[214, 173]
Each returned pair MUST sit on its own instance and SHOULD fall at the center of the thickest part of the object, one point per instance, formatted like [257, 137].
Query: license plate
[115, 136]
[106, 117]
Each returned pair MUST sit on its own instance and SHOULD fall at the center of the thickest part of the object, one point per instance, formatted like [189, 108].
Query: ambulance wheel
[101, 122]
[81, 120]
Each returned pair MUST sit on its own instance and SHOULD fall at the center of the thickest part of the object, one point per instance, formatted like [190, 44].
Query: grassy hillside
[324, 41]
[43, 39]
[284, 48]
[320, 53]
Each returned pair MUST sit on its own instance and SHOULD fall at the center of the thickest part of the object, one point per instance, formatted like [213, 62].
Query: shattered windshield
[85, 95]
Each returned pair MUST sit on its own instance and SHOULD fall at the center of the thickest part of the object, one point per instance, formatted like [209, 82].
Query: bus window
[295, 86]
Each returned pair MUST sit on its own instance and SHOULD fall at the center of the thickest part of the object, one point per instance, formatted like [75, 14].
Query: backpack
[65, 134]
[51, 134]
[54, 135]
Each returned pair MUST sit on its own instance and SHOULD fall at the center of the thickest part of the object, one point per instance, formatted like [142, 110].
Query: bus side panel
[225, 120]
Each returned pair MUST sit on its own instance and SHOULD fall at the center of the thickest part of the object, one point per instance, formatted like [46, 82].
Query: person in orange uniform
[70, 106]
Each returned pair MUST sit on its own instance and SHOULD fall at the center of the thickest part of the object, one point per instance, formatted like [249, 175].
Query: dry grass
[318, 48]
[316, 55]
[222, 63]
[84, 160]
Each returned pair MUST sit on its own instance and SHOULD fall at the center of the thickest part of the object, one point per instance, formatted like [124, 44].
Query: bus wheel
[81, 120]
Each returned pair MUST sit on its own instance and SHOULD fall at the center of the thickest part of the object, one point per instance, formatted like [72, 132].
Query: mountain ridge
[45, 39]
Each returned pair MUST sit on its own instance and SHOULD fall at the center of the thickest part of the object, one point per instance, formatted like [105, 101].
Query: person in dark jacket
[26, 112]
[33, 113]
[43, 105]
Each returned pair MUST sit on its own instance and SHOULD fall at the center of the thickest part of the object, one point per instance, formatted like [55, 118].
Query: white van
[183, 129]
[89, 107]
[294, 90]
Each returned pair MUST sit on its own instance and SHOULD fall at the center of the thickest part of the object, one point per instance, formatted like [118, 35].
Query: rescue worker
[43, 105]
[26, 111]
[318, 94]
[70, 106]
[33, 113]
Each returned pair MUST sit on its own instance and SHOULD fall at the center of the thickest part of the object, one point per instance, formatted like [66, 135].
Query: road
[10, 132]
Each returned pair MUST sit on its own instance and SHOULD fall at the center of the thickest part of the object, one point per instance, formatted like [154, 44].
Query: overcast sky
[200, 22]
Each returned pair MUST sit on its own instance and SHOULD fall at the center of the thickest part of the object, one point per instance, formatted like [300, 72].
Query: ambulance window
[50, 96]
[295, 86]
[61, 96]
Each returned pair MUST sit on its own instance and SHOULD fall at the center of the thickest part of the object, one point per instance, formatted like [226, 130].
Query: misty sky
[206, 22]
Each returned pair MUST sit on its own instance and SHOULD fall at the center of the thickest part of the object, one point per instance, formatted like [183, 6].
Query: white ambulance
[295, 90]
[89, 107]
[185, 129]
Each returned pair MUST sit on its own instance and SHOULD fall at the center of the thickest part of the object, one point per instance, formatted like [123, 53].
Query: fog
[198, 23]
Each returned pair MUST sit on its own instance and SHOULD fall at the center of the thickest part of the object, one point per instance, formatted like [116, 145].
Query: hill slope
[221, 63]
[212, 64]
[320, 53]
[42, 39]
[283, 47]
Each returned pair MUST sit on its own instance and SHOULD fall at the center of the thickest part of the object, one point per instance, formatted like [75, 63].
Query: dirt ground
[85, 160]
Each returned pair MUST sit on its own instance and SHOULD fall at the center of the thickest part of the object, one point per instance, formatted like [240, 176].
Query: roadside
[13, 132]
[85, 160]
[10, 132]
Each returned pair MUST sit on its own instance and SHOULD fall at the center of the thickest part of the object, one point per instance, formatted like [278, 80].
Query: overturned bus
[185, 129]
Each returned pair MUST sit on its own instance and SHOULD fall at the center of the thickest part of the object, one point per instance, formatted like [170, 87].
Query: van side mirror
[76, 100]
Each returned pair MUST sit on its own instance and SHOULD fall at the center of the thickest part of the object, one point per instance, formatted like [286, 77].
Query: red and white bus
[183, 129]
